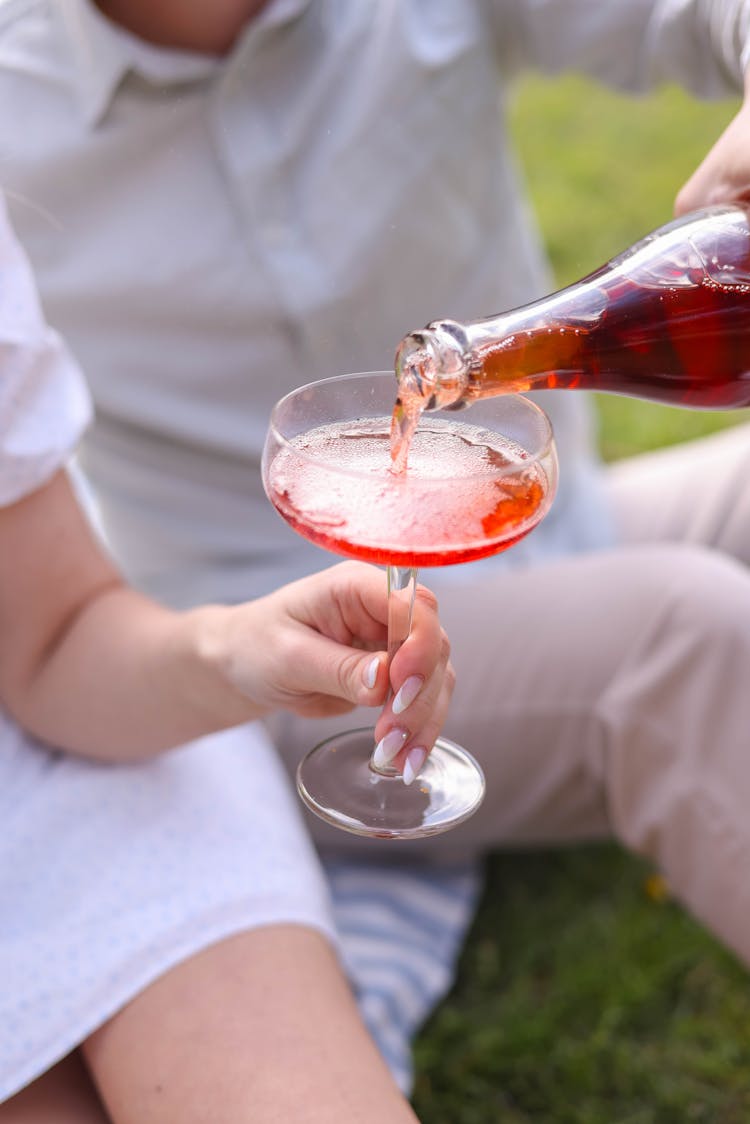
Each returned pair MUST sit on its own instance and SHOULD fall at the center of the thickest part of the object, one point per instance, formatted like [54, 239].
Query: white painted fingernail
[371, 673]
[410, 688]
[415, 759]
[388, 747]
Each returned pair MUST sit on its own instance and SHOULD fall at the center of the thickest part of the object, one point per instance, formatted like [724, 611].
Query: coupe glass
[476, 483]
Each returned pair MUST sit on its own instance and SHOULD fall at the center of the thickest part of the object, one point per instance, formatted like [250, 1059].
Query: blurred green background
[585, 995]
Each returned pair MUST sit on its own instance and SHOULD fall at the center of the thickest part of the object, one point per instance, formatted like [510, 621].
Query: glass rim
[530, 458]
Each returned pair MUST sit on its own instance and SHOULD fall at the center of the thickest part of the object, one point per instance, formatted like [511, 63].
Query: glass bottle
[668, 320]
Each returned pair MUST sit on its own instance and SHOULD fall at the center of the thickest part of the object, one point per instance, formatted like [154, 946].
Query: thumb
[724, 173]
[702, 190]
[358, 677]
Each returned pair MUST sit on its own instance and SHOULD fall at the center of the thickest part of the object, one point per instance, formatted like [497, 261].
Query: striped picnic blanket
[401, 930]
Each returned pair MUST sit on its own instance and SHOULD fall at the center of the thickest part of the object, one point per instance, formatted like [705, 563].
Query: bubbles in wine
[467, 491]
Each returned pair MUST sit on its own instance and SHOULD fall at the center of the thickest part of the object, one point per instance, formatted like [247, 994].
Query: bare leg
[64, 1095]
[261, 1027]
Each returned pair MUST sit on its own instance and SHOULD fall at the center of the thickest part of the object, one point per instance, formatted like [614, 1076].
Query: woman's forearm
[128, 679]
[88, 664]
[91, 666]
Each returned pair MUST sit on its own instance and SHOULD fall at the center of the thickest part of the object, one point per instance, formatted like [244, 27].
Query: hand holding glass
[470, 489]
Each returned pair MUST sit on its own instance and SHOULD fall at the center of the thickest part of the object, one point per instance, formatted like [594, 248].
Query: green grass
[580, 998]
[583, 1001]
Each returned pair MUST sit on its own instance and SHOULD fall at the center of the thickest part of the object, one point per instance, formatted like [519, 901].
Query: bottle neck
[536, 346]
[448, 365]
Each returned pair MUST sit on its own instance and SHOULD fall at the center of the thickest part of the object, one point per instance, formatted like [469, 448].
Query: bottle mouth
[431, 367]
[417, 369]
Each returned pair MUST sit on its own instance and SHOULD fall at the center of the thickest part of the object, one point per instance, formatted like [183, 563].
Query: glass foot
[336, 782]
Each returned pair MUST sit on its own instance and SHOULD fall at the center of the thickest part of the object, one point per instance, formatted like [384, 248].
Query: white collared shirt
[44, 403]
[210, 233]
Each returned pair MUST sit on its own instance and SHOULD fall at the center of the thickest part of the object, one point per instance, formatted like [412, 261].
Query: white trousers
[609, 694]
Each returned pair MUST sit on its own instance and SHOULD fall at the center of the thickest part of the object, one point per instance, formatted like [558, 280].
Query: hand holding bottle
[724, 174]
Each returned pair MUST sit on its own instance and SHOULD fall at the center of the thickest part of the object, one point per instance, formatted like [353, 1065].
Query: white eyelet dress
[109, 875]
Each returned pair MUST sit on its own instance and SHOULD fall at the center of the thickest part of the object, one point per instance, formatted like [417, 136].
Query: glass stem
[402, 585]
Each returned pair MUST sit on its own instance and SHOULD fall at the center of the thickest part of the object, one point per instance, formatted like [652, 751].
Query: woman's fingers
[329, 655]
[422, 679]
[405, 740]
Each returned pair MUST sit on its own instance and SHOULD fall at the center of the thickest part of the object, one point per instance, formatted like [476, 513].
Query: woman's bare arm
[89, 665]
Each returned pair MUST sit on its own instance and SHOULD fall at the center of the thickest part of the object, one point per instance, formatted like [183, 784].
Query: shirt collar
[104, 53]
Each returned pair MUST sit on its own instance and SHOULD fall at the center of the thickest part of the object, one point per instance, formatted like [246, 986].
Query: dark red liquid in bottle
[668, 320]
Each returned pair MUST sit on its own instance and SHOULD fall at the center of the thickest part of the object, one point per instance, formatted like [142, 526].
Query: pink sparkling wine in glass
[338, 489]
